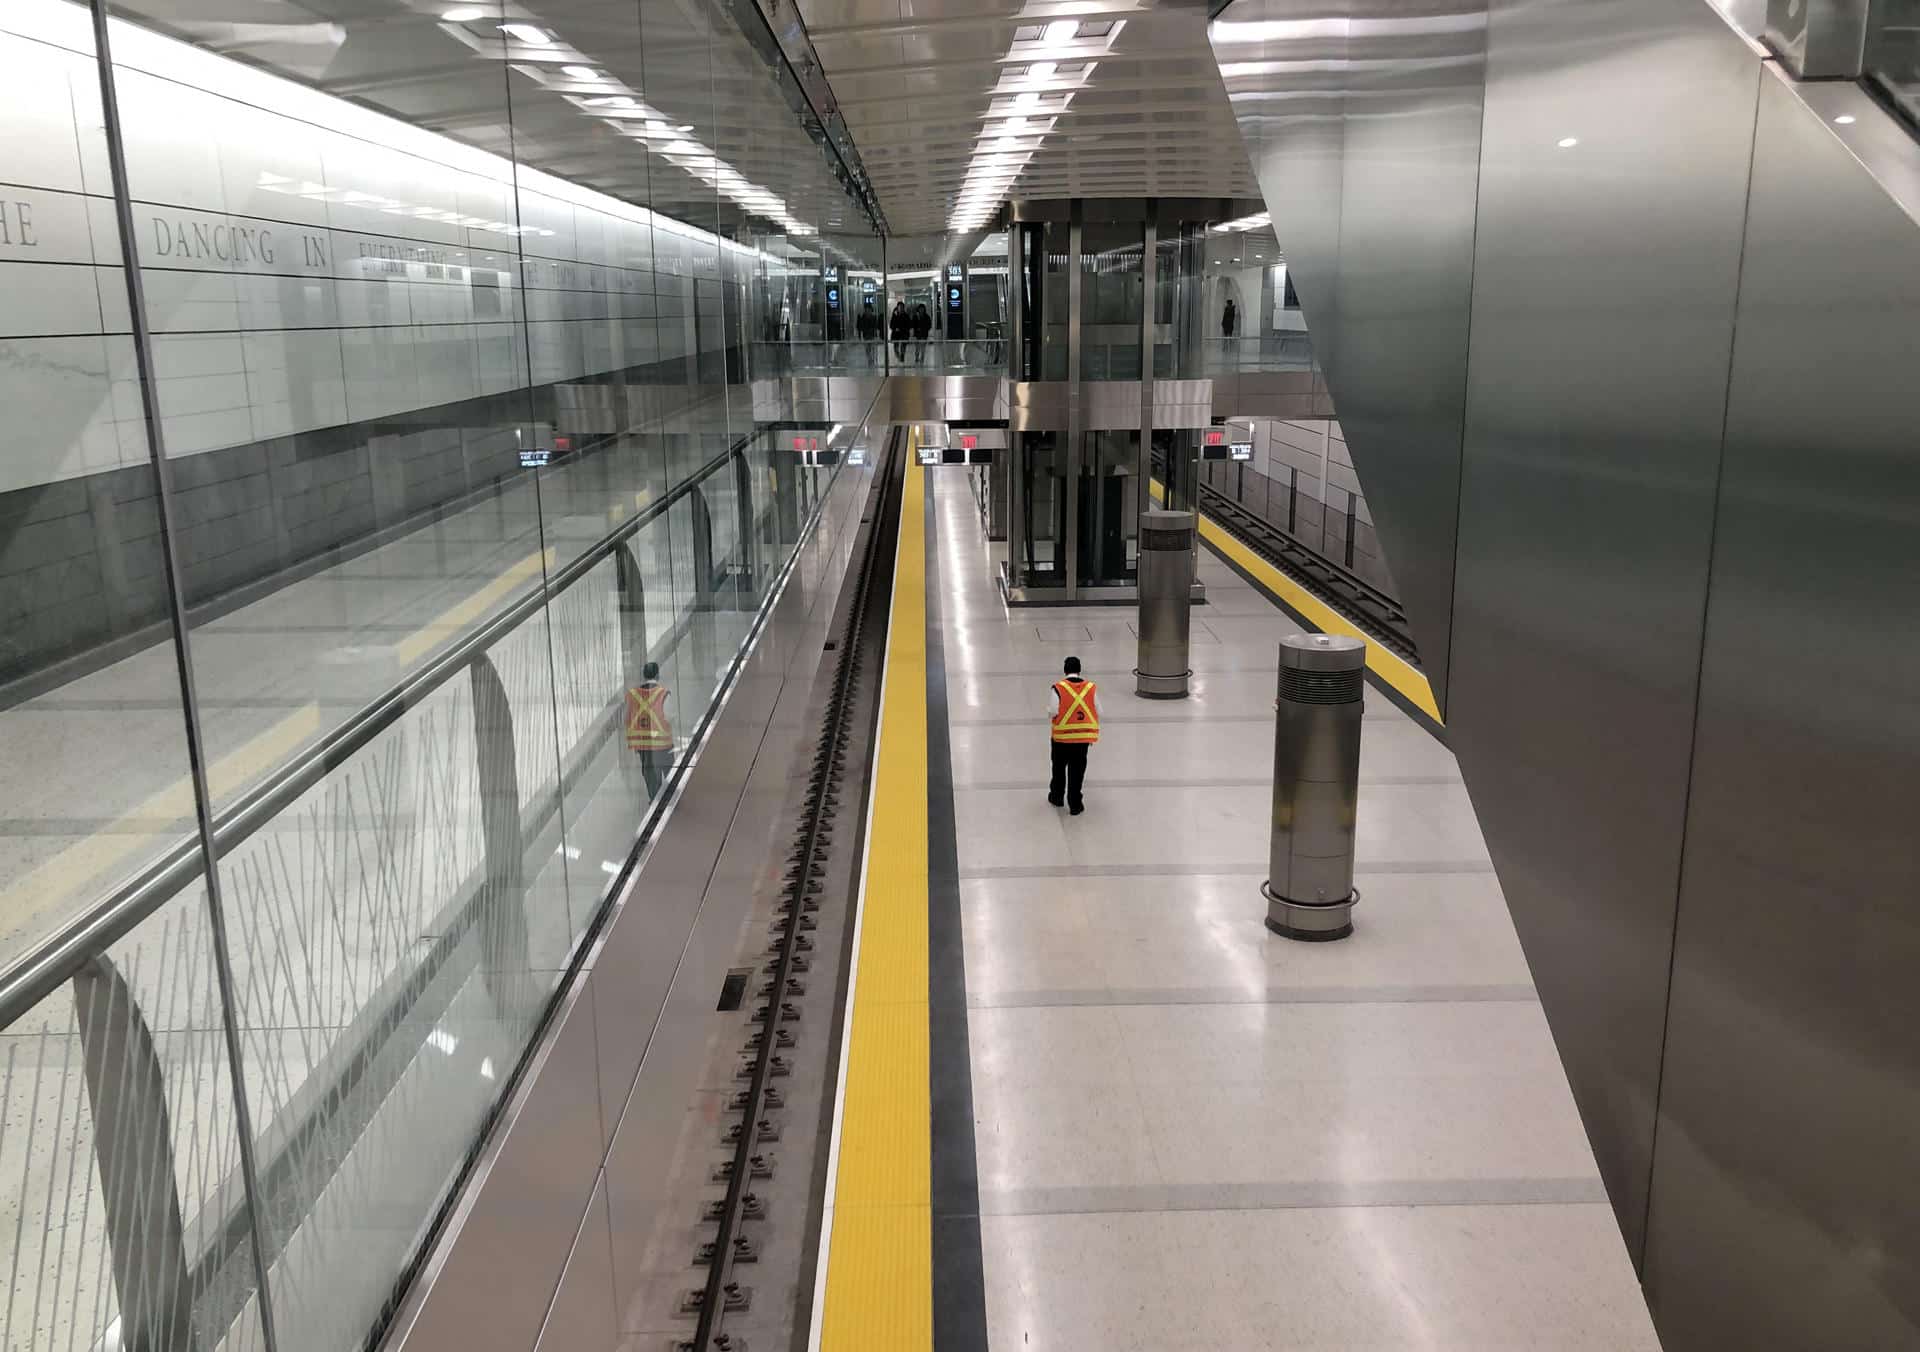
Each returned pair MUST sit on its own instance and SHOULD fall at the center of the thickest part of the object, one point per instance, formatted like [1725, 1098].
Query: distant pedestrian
[1073, 723]
[648, 731]
[1229, 320]
[899, 328]
[922, 326]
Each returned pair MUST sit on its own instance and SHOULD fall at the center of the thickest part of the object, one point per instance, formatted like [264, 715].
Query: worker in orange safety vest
[1074, 720]
[648, 731]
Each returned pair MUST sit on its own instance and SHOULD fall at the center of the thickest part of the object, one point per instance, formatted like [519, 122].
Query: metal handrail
[37, 975]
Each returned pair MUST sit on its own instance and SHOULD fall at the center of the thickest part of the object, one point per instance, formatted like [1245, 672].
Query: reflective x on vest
[1078, 719]
[647, 728]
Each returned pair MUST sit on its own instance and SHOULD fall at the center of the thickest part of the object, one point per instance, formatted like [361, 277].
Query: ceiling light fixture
[1845, 119]
[464, 14]
[1042, 70]
[1060, 31]
[580, 72]
[527, 33]
[1568, 142]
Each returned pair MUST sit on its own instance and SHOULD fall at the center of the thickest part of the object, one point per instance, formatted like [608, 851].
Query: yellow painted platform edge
[1389, 666]
[873, 1284]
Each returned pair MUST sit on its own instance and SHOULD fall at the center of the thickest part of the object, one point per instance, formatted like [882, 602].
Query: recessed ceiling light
[1059, 31]
[1042, 70]
[1568, 142]
[527, 33]
[684, 126]
[464, 14]
[580, 72]
[1845, 119]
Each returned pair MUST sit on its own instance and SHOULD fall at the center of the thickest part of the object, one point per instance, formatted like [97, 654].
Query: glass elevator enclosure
[1105, 370]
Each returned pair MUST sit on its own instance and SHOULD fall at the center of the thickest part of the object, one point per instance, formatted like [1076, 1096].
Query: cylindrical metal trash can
[1316, 786]
[1166, 600]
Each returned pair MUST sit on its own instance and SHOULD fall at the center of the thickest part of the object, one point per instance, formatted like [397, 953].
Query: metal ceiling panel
[1132, 106]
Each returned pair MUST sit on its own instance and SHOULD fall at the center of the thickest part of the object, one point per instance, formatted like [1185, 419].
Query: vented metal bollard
[1166, 603]
[1316, 786]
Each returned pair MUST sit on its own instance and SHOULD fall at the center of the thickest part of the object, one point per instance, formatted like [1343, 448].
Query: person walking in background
[899, 326]
[648, 732]
[868, 327]
[922, 326]
[1073, 721]
[1229, 320]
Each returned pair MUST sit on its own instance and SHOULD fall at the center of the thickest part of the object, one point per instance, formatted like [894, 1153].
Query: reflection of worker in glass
[1229, 319]
[648, 732]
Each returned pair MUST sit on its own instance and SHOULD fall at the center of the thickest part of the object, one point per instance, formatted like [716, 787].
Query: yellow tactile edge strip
[874, 1282]
[1382, 662]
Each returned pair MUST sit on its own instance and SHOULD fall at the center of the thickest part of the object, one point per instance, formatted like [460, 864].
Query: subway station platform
[1089, 1102]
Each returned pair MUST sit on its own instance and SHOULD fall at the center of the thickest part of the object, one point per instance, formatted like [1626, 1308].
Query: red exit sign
[968, 441]
[1216, 436]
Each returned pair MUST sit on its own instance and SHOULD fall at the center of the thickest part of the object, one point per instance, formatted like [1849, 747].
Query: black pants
[654, 766]
[1069, 771]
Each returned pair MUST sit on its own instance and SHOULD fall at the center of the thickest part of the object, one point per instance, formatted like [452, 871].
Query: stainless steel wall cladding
[1784, 1156]
[1618, 320]
[1586, 511]
[1388, 118]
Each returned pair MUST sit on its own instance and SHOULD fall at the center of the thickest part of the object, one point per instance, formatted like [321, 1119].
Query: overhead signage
[536, 458]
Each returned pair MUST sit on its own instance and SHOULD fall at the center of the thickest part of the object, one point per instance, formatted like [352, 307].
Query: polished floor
[1191, 1133]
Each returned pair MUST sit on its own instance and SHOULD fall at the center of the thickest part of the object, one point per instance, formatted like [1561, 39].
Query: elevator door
[1043, 509]
[1109, 526]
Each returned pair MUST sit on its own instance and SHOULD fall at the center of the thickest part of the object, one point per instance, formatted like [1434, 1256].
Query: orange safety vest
[1078, 719]
[647, 728]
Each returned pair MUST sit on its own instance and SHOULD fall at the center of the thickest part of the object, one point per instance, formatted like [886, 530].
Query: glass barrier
[370, 559]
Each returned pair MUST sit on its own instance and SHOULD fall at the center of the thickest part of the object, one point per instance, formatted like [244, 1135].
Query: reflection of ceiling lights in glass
[632, 117]
[465, 14]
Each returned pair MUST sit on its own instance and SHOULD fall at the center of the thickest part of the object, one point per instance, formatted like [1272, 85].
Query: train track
[860, 644]
[1373, 610]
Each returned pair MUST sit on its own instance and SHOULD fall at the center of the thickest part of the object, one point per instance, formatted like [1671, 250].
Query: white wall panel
[266, 215]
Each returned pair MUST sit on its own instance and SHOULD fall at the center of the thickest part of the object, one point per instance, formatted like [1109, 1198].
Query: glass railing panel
[125, 1223]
